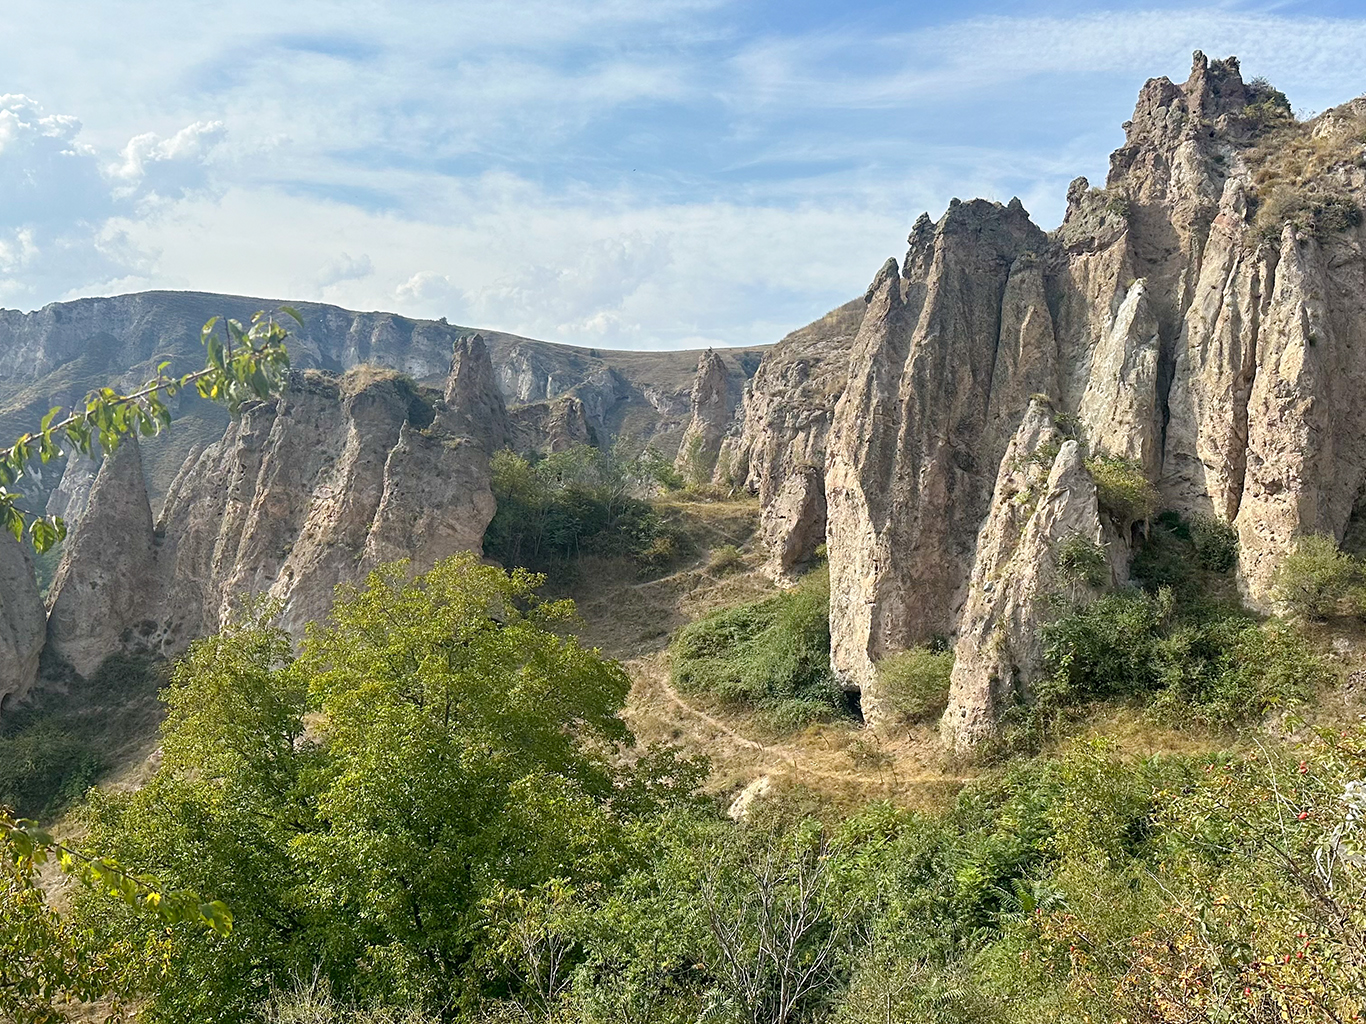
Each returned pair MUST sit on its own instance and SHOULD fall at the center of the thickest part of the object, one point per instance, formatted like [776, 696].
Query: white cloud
[344, 268]
[423, 288]
[608, 172]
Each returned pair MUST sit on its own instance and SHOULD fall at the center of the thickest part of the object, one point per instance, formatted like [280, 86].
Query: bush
[1122, 489]
[55, 746]
[1312, 580]
[573, 503]
[1217, 669]
[915, 683]
[773, 655]
[1215, 542]
[1082, 563]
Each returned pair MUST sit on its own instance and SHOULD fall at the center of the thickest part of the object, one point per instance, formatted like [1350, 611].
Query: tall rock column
[106, 585]
[908, 473]
[1042, 502]
[23, 620]
[711, 410]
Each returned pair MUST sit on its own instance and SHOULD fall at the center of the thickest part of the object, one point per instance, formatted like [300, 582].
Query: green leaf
[294, 313]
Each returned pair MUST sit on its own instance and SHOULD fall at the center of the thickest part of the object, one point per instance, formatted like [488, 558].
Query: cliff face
[1201, 317]
[22, 621]
[302, 493]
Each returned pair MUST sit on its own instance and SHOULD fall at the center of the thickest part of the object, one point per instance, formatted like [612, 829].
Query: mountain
[1191, 338]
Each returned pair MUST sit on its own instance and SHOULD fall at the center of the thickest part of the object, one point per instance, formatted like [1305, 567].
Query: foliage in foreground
[462, 757]
[773, 655]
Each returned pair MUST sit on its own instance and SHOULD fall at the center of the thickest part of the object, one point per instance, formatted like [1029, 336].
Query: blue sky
[647, 174]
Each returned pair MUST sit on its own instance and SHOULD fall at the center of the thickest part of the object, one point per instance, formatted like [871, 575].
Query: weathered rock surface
[302, 493]
[100, 595]
[23, 621]
[907, 480]
[551, 426]
[710, 412]
[778, 445]
[1039, 504]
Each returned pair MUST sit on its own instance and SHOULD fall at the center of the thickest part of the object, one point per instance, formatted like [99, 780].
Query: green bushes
[773, 655]
[1315, 577]
[1122, 489]
[573, 503]
[915, 683]
[1211, 670]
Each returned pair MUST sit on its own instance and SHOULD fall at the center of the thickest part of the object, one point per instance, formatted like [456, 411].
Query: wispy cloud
[611, 172]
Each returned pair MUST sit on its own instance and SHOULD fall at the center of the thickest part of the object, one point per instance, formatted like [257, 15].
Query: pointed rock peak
[1214, 87]
[890, 271]
[474, 405]
[108, 567]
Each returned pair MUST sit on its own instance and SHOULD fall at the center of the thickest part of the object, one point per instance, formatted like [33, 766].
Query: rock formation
[778, 448]
[1042, 503]
[1200, 317]
[99, 597]
[22, 621]
[303, 492]
[710, 415]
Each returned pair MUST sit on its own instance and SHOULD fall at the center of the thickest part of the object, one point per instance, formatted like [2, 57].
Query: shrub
[1213, 669]
[1215, 542]
[1312, 580]
[1082, 563]
[915, 683]
[1122, 489]
[572, 503]
[773, 655]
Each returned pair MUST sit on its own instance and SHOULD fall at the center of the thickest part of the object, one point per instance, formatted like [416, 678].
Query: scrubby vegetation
[53, 748]
[1290, 167]
[1123, 490]
[915, 683]
[580, 501]
[1315, 578]
[1177, 645]
[773, 655]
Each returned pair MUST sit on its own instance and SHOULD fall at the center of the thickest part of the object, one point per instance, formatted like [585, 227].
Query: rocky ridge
[1200, 318]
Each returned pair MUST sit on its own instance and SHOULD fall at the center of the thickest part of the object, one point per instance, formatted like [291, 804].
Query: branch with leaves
[45, 959]
[242, 363]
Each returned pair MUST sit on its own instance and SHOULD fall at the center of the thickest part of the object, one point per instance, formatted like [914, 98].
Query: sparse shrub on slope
[1314, 578]
[915, 683]
[773, 655]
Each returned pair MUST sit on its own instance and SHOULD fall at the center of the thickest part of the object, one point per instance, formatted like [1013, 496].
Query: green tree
[437, 753]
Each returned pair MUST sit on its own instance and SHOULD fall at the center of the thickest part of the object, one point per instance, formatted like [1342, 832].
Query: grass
[1290, 177]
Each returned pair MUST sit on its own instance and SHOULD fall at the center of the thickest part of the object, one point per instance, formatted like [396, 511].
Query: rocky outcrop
[302, 493]
[22, 621]
[1042, 502]
[792, 524]
[474, 405]
[777, 449]
[1162, 322]
[908, 480]
[710, 415]
[551, 426]
[100, 595]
